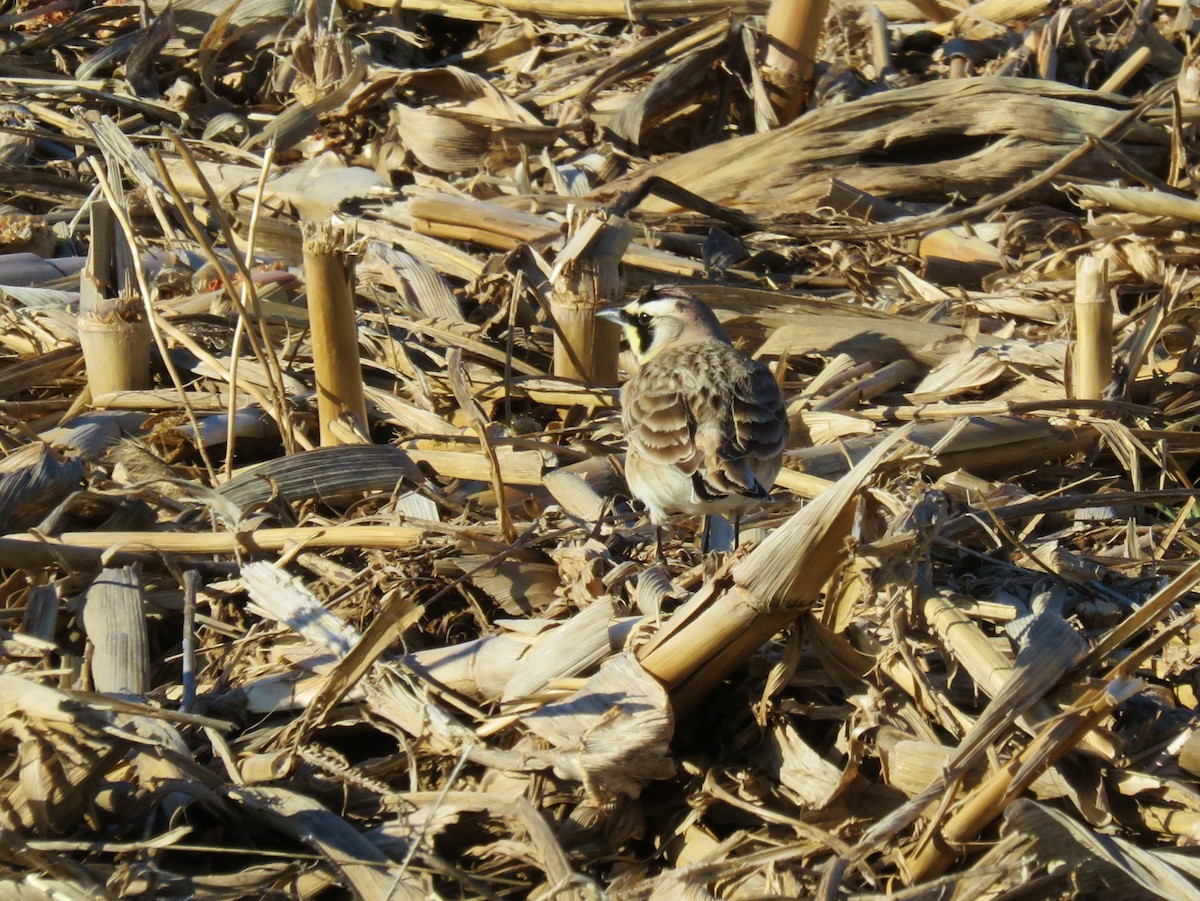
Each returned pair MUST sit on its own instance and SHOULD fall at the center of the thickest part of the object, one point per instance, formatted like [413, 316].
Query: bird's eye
[643, 318]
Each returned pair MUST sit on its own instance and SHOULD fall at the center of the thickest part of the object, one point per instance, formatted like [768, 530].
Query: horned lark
[705, 423]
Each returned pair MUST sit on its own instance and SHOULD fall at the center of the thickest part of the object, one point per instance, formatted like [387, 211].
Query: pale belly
[666, 490]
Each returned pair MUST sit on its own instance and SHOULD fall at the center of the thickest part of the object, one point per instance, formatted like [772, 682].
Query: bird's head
[665, 317]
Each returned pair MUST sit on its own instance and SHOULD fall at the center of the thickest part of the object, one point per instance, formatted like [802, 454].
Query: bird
[705, 423]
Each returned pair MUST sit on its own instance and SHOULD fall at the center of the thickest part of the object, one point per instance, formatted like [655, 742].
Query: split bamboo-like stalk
[1055, 738]
[329, 277]
[1159, 204]
[1091, 364]
[1004, 786]
[713, 633]
[586, 277]
[990, 669]
[793, 34]
[41, 612]
[1127, 70]
[113, 333]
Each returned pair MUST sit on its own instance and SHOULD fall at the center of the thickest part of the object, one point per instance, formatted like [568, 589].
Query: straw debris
[318, 568]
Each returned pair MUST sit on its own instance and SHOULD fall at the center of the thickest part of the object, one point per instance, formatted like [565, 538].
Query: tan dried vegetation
[316, 569]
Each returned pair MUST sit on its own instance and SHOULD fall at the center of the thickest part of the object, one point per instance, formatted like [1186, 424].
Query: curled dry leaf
[464, 122]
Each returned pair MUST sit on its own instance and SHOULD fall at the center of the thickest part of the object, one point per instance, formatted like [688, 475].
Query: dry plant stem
[983, 445]
[664, 188]
[265, 353]
[1137, 200]
[229, 542]
[1057, 737]
[151, 317]
[117, 632]
[113, 333]
[1181, 519]
[197, 231]
[41, 613]
[793, 34]
[1127, 70]
[21, 553]
[881, 47]
[585, 279]
[390, 623]
[112, 147]
[242, 325]
[231, 408]
[456, 219]
[988, 800]
[1144, 617]
[201, 237]
[215, 208]
[191, 587]
[1091, 365]
[739, 625]
[988, 667]
[265, 357]
[466, 403]
[366, 871]
[338, 373]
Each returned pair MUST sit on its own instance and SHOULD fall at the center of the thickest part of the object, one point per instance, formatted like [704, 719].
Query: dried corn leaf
[1029, 126]
[364, 869]
[1108, 862]
[612, 735]
[32, 482]
[517, 586]
[814, 781]
[115, 621]
[967, 369]
[465, 121]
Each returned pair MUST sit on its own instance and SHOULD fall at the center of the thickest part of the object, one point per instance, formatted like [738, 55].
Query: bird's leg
[658, 537]
[737, 531]
[717, 535]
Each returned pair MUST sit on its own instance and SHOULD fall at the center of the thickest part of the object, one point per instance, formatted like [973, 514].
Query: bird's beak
[612, 314]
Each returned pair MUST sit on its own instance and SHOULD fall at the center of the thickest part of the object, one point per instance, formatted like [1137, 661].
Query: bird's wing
[712, 418]
[759, 417]
[659, 423]
[753, 431]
